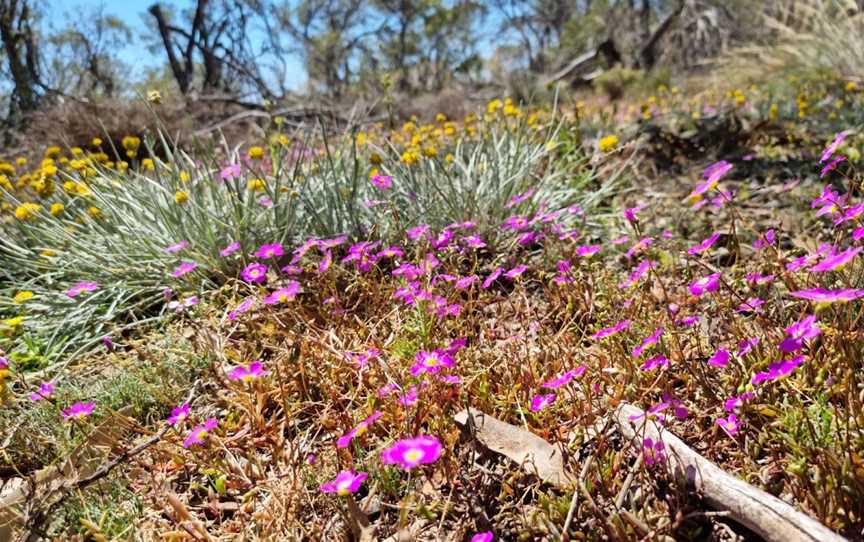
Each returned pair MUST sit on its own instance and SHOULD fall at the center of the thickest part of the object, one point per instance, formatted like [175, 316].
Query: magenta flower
[180, 306]
[836, 260]
[487, 282]
[831, 165]
[637, 274]
[647, 342]
[254, 272]
[757, 278]
[769, 239]
[777, 370]
[541, 401]
[730, 424]
[80, 288]
[346, 482]
[516, 272]
[178, 414]
[653, 452]
[733, 403]
[417, 232]
[712, 176]
[79, 411]
[283, 295]
[230, 249]
[46, 390]
[799, 332]
[516, 200]
[720, 358]
[184, 268]
[821, 295]
[362, 358]
[709, 283]
[382, 182]
[746, 345]
[655, 362]
[607, 331]
[248, 373]
[431, 362]
[266, 252]
[473, 241]
[753, 304]
[411, 452]
[631, 214]
[230, 171]
[357, 431]
[486, 536]
[409, 397]
[832, 147]
[177, 247]
[586, 251]
[197, 435]
[244, 306]
[565, 378]
[858, 234]
[704, 245]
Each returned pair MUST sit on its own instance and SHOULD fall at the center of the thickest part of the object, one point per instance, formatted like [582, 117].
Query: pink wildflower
[283, 295]
[412, 452]
[605, 332]
[197, 435]
[248, 373]
[81, 287]
[704, 245]
[177, 247]
[266, 252]
[431, 362]
[709, 283]
[382, 182]
[655, 362]
[184, 268]
[178, 414]
[358, 430]
[720, 358]
[254, 272]
[730, 424]
[648, 341]
[230, 249]
[539, 402]
[46, 390]
[345, 483]
[78, 411]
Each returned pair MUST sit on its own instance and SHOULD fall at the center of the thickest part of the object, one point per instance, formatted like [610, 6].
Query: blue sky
[139, 57]
[134, 13]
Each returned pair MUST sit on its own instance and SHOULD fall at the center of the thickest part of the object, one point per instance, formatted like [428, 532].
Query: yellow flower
[10, 326]
[375, 158]
[48, 253]
[131, 144]
[52, 152]
[27, 211]
[772, 112]
[57, 209]
[22, 296]
[493, 106]
[608, 143]
[256, 153]
[851, 86]
[440, 117]
[361, 139]
[96, 142]
[430, 151]
[410, 157]
[184, 176]
[181, 197]
[76, 151]
[154, 96]
[148, 164]
[449, 158]
[7, 168]
[256, 185]
[21, 161]
[94, 211]
[278, 121]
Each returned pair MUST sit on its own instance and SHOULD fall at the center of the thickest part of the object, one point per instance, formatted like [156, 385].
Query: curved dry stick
[764, 514]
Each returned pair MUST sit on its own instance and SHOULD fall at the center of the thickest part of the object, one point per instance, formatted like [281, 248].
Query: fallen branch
[764, 514]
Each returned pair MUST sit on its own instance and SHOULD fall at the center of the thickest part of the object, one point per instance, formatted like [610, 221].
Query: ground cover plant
[276, 341]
